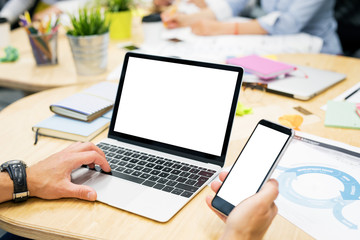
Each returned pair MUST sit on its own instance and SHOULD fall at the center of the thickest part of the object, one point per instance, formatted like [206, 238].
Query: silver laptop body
[167, 111]
[303, 84]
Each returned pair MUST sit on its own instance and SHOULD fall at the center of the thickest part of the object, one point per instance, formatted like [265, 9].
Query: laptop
[297, 85]
[168, 135]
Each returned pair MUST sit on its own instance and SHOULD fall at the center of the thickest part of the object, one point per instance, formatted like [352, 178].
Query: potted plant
[89, 40]
[120, 18]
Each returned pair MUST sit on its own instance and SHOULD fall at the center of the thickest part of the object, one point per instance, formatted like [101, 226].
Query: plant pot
[120, 25]
[90, 53]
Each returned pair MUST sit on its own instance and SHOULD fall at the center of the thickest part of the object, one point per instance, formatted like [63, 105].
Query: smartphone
[254, 165]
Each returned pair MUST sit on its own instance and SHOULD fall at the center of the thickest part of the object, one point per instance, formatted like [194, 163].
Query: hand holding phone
[254, 166]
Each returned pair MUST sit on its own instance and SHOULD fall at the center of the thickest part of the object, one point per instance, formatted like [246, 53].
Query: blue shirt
[314, 17]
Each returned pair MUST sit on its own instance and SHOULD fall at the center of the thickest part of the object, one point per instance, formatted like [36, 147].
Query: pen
[353, 93]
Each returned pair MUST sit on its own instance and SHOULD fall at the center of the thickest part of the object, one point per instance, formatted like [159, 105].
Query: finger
[208, 202]
[88, 146]
[269, 192]
[215, 185]
[223, 175]
[89, 157]
[80, 191]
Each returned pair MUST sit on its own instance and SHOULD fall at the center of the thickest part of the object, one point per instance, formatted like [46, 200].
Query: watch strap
[17, 172]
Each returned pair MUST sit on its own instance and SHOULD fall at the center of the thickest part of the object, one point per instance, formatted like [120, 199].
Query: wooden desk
[25, 75]
[76, 219]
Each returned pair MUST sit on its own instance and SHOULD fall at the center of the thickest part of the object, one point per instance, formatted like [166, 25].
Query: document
[319, 185]
[184, 44]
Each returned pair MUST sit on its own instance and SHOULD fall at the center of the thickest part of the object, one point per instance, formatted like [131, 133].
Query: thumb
[82, 192]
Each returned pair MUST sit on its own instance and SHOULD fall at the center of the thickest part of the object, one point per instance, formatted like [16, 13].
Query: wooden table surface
[25, 75]
[77, 219]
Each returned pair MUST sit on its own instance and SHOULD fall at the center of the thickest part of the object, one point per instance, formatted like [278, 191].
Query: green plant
[115, 5]
[89, 21]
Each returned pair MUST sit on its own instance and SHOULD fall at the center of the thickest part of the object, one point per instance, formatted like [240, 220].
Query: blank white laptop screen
[177, 104]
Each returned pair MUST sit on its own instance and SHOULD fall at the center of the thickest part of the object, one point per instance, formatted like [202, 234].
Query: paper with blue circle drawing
[319, 185]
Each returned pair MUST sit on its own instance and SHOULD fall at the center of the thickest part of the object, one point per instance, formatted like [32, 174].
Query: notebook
[342, 114]
[262, 67]
[71, 129]
[303, 84]
[168, 135]
[89, 104]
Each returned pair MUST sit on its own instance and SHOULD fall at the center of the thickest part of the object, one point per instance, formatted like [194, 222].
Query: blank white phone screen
[177, 104]
[253, 164]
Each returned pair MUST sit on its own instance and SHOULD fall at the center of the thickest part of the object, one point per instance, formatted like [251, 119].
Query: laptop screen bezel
[167, 148]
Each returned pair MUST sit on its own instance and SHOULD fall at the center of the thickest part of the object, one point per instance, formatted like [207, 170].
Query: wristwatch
[17, 172]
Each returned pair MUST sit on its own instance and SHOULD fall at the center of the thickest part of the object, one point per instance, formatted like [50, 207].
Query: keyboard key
[159, 186]
[154, 178]
[136, 155]
[159, 161]
[171, 183]
[158, 167]
[172, 177]
[177, 191]
[145, 175]
[193, 176]
[186, 187]
[199, 183]
[177, 166]
[205, 174]
[186, 194]
[136, 173]
[167, 169]
[150, 165]
[111, 154]
[126, 158]
[181, 179]
[151, 159]
[155, 172]
[127, 177]
[168, 164]
[113, 149]
[146, 170]
[175, 171]
[149, 183]
[119, 169]
[142, 163]
[185, 168]
[114, 161]
[138, 168]
[163, 174]
[128, 153]
[120, 151]
[184, 174]
[168, 189]
[190, 182]
[122, 163]
[128, 171]
[193, 170]
[162, 180]
[113, 166]
[143, 157]
[130, 165]
[203, 179]
[134, 160]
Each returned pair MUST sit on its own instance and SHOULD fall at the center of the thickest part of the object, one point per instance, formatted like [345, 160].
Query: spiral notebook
[89, 104]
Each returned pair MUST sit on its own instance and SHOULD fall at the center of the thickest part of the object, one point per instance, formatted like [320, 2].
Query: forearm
[6, 187]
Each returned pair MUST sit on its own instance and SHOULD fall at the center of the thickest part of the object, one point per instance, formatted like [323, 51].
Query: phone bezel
[223, 206]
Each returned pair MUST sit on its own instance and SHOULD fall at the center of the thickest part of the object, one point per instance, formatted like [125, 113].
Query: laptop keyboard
[153, 171]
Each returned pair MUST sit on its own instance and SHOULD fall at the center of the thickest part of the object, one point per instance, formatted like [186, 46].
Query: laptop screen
[182, 105]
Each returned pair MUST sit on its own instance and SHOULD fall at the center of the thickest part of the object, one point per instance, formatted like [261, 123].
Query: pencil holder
[44, 48]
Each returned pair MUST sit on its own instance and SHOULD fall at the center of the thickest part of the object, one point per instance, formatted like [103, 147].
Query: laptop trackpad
[107, 187]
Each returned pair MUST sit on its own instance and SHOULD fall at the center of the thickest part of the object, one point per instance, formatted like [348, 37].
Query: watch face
[6, 164]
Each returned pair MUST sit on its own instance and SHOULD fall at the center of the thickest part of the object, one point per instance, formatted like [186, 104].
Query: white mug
[4, 33]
